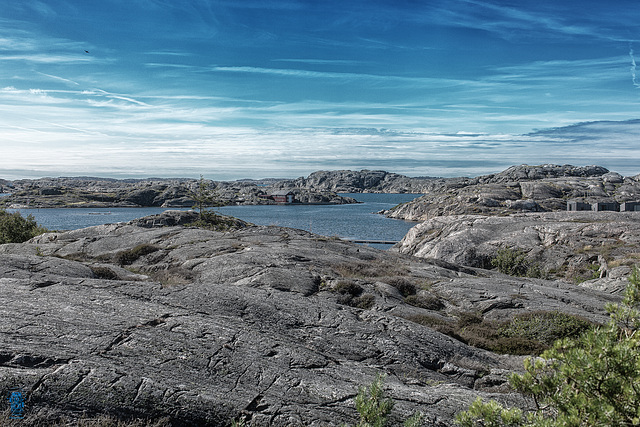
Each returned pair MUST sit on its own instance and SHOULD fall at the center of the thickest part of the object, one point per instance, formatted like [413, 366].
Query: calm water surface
[356, 221]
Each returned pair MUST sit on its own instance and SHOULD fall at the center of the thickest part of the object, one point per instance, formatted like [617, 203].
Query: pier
[373, 242]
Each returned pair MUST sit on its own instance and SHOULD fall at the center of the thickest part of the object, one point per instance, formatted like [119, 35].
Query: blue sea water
[355, 221]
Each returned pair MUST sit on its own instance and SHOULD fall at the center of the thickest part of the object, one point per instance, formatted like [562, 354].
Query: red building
[283, 196]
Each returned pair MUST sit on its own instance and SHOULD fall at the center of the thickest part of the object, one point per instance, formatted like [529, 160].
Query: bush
[404, 286]
[130, 256]
[545, 326]
[525, 334]
[349, 293]
[348, 288]
[14, 228]
[215, 222]
[365, 270]
[104, 273]
[511, 261]
[372, 405]
[426, 302]
[591, 380]
[366, 301]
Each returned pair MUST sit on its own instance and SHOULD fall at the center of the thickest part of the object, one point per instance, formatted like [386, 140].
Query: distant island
[522, 188]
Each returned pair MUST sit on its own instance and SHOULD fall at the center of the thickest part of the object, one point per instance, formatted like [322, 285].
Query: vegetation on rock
[514, 262]
[586, 381]
[14, 228]
[130, 256]
[204, 196]
[525, 334]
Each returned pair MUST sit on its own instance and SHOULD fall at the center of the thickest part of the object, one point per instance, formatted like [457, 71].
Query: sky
[232, 89]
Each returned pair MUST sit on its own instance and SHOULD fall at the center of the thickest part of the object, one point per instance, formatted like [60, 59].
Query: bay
[354, 221]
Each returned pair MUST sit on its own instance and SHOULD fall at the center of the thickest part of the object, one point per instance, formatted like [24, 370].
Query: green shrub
[514, 262]
[511, 261]
[130, 256]
[545, 326]
[14, 228]
[439, 324]
[591, 380]
[365, 301]
[348, 288]
[216, 222]
[372, 405]
[365, 270]
[350, 293]
[525, 334]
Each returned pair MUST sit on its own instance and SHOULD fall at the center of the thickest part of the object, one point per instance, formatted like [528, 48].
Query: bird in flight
[86, 51]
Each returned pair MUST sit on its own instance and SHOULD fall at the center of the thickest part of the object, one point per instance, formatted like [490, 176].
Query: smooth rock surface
[571, 245]
[204, 326]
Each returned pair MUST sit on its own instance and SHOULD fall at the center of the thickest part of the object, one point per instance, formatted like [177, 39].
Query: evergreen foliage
[14, 228]
[372, 405]
[204, 197]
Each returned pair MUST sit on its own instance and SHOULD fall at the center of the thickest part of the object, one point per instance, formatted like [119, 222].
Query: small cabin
[283, 196]
[578, 206]
[630, 207]
[606, 206]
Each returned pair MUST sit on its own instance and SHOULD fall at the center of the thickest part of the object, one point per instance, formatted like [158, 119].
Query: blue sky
[246, 88]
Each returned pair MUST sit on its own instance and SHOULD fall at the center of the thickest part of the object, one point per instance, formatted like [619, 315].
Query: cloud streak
[633, 69]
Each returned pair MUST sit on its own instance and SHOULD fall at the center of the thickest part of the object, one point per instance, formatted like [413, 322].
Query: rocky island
[523, 188]
[81, 192]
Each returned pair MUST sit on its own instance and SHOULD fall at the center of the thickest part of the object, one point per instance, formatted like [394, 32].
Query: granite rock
[204, 327]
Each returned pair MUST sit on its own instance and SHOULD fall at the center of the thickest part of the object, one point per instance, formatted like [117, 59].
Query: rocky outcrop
[575, 246]
[364, 181]
[204, 327]
[170, 193]
[519, 189]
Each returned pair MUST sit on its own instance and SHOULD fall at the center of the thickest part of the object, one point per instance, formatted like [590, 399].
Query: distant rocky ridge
[364, 181]
[105, 192]
[151, 319]
[521, 188]
[518, 189]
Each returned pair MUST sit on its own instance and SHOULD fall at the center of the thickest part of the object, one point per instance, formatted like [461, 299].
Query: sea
[353, 221]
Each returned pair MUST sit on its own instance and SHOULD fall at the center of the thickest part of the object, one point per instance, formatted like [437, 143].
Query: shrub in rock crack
[348, 288]
[404, 286]
[130, 256]
[426, 302]
[514, 262]
[14, 228]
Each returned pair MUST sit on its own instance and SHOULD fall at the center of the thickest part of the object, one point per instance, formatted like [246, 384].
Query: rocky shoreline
[156, 320]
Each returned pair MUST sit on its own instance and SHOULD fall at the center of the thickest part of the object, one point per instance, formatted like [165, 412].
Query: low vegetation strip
[525, 334]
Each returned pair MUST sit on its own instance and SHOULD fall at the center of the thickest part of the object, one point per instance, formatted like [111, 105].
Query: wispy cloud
[58, 78]
[321, 61]
[633, 69]
[47, 58]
